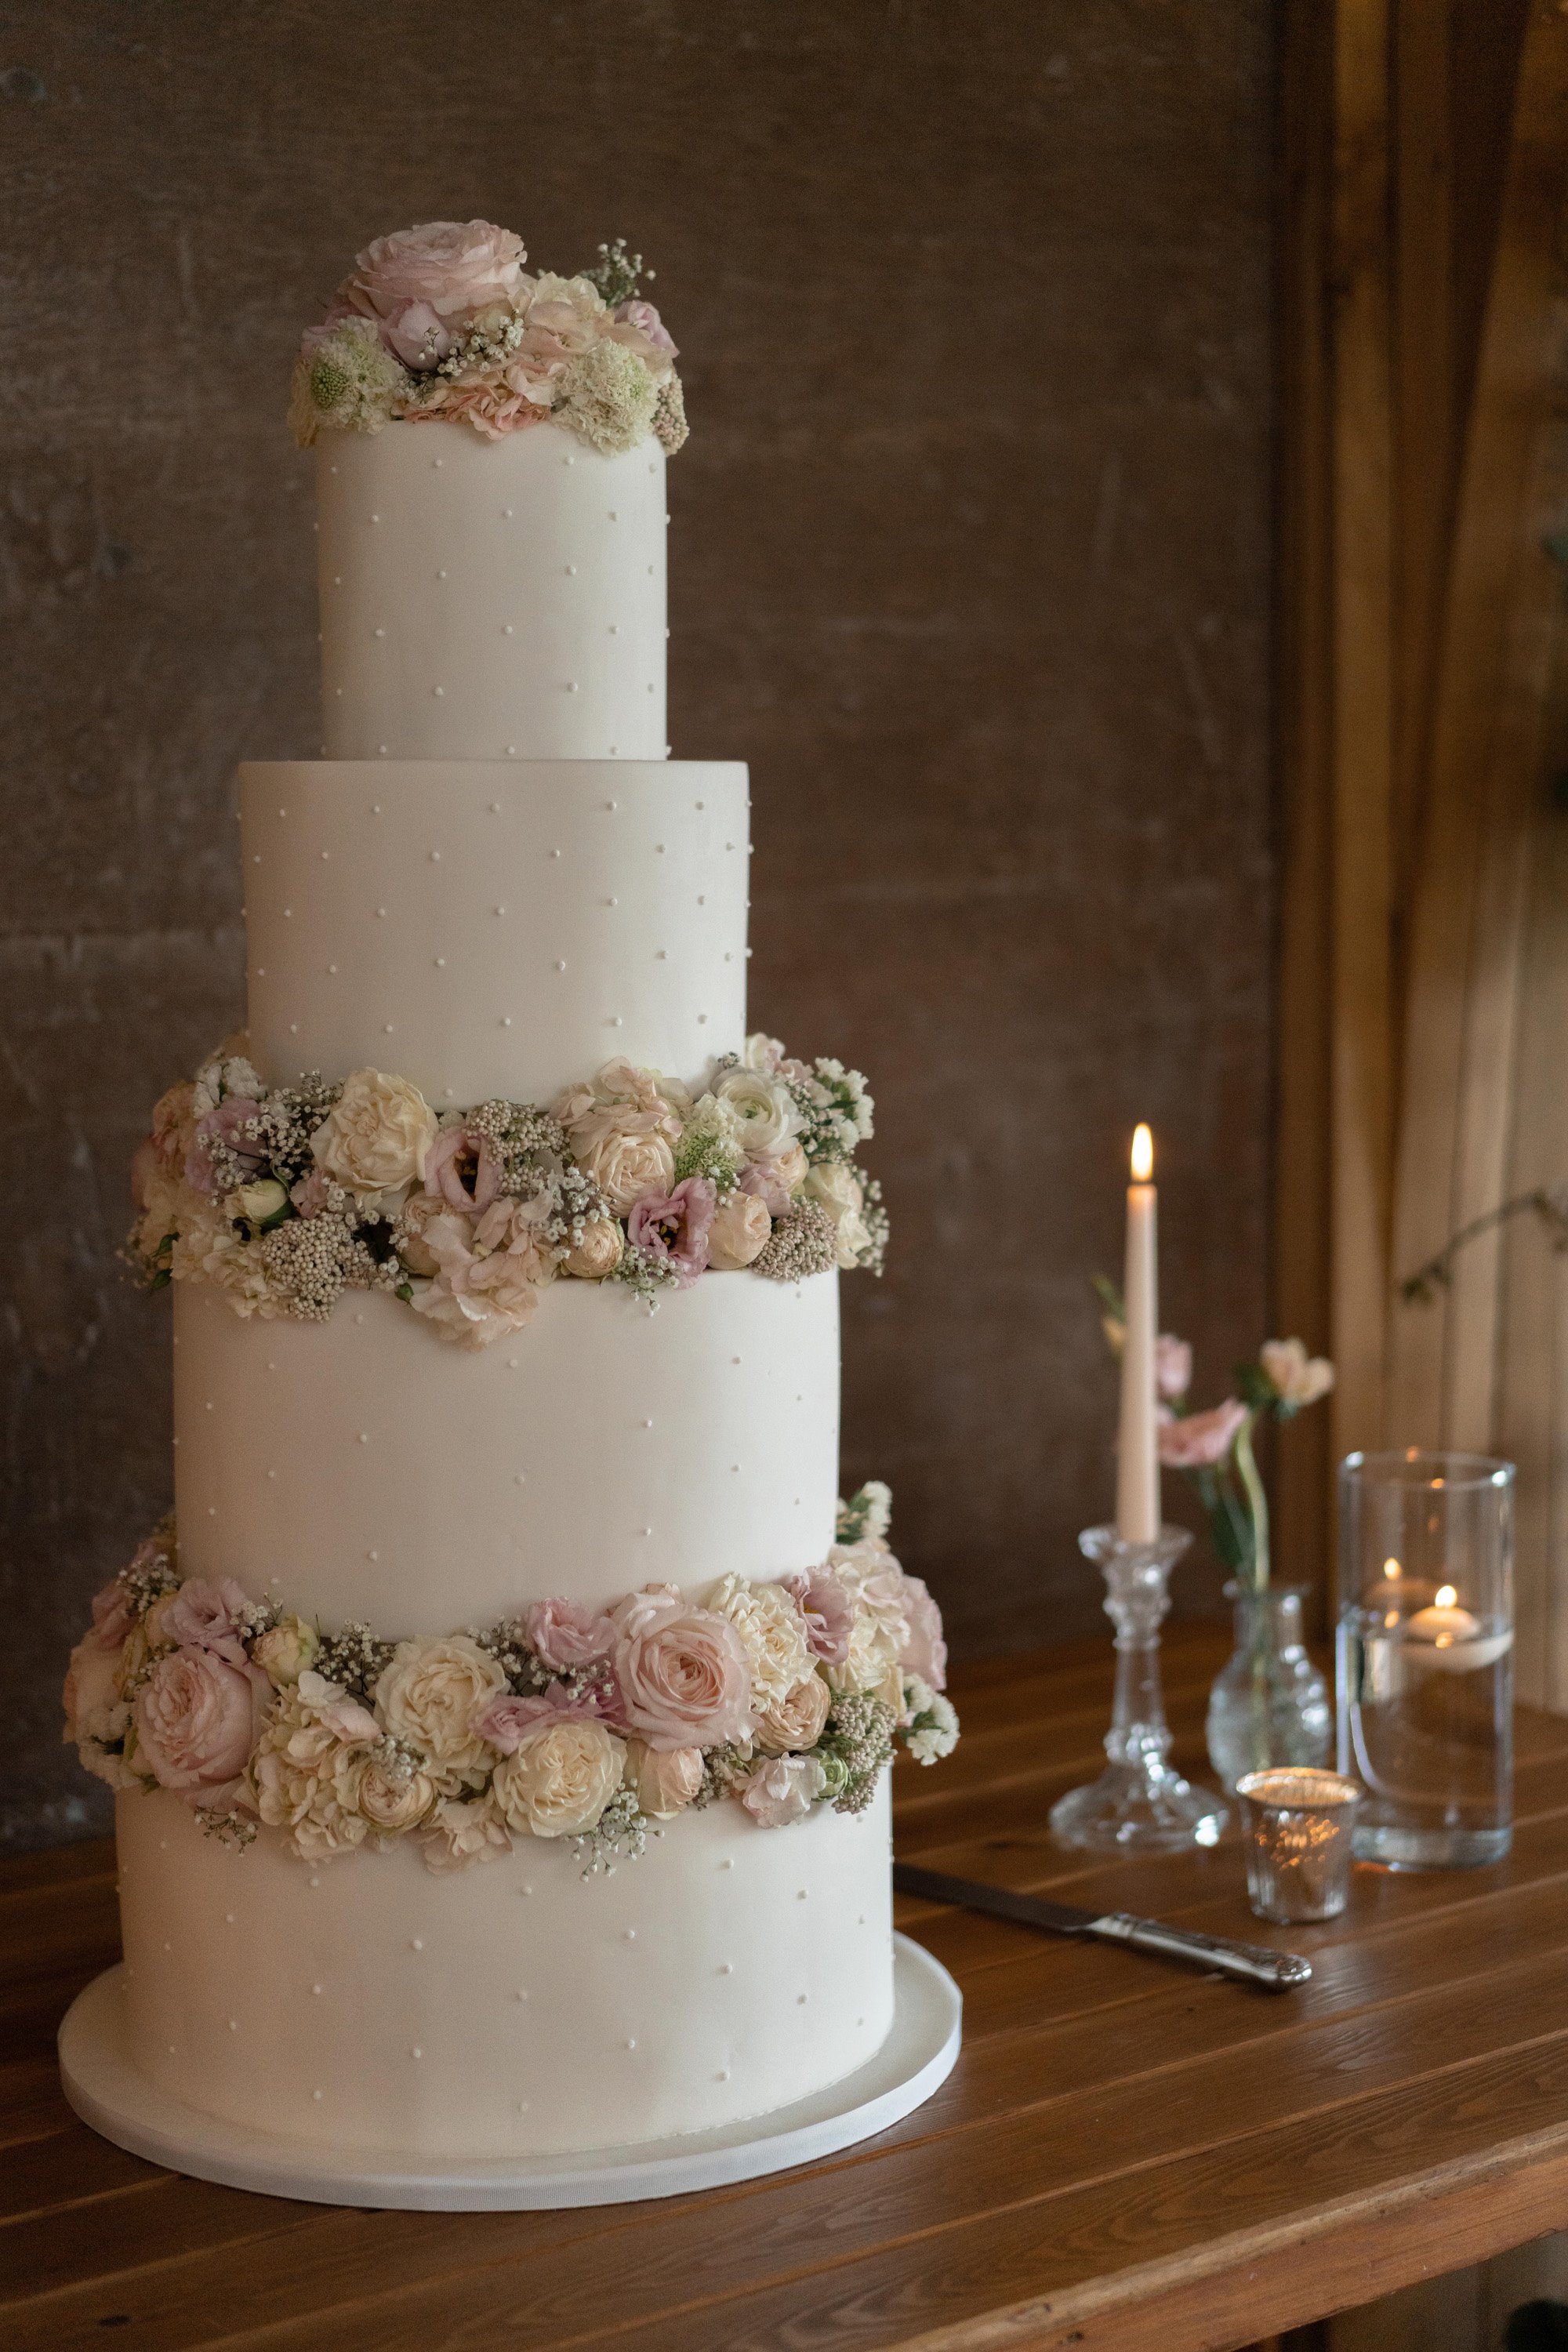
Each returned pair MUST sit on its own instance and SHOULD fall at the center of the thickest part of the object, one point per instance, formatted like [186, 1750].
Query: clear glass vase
[1270, 1704]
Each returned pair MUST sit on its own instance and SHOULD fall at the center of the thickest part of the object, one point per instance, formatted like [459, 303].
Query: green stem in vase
[1256, 1502]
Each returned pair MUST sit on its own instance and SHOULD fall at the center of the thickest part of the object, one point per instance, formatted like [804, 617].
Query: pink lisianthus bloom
[1199, 1441]
[564, 1634]
[225, 1123]
[206, 1616]
[685, 1673]
[1172, 1366]
[828, 1611]
[925, 1651]
[462, 1169]
[196, 1720]
[676, 1227]
[420, 284]
[112, 1615]
[505, 1720]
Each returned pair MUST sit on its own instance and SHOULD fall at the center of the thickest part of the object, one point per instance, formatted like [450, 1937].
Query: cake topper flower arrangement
[443, 322]
[1214, 1446]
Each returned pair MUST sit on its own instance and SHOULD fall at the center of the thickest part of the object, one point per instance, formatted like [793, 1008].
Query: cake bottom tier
[515, 2006]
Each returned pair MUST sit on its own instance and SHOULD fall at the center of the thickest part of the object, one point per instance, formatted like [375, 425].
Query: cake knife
[1253, 1963]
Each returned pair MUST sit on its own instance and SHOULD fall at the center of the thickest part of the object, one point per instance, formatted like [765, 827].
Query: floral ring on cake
[287, 1196]
[565, 1721]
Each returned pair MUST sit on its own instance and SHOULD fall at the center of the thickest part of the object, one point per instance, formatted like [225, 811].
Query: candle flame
[1142, 1154]
[1391, 1568]
[1447, 1595]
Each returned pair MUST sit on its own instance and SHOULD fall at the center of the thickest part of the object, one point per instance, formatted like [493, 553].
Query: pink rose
[505, 1720]
[436, 276]
[1199, 1441]
[783, 1791]
[196, 1720]
[462, 1167]
[203, 1616]
[112, 1615]
[226, 1124]
[645, 319]
[1172, 1366]
[829, 1610]
[684, 1672]
[563, 1633]
[924, 1652]
[676, 1228]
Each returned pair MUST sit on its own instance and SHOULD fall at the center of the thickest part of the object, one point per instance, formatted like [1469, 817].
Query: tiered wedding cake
[502, 1748]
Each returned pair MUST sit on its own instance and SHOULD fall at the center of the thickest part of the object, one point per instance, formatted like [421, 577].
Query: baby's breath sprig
[353, 1657]
[621, 1830]
[617, 274]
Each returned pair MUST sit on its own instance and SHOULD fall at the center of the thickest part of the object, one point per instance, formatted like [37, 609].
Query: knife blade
[1250, 1963]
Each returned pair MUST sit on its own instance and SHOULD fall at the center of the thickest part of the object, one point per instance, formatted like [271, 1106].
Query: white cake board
[108, 2093]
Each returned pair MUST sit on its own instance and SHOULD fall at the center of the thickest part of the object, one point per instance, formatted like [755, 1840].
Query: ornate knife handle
[1253, 1963]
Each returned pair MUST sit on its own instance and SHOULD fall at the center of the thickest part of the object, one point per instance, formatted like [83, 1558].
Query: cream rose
[626, 1162]
[663, 1780]
[598, 1253]
[285, 1651]
[738, 1234]
[772, 1631]
[795, 1722]
[560, 1777]
[374, 1141]
[390, 1802]
[429, 1695]
[94, 1710]
[838, 1190]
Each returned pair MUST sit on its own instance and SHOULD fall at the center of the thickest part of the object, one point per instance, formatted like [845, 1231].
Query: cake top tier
[444, 321]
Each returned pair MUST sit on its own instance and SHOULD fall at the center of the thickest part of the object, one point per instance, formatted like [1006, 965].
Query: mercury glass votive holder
[1296, 1828]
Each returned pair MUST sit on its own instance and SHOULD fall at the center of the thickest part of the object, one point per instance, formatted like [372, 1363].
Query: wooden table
[1127, 2155]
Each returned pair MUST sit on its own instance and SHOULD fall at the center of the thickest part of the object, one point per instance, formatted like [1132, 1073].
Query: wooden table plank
[1127, 2157]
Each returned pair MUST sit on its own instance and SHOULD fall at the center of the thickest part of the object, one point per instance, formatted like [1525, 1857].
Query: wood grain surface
[1128, 2157]
[969, 560]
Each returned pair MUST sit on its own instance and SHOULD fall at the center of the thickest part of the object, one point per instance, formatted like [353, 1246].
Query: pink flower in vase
[1172, 1366]
[1200, 1441]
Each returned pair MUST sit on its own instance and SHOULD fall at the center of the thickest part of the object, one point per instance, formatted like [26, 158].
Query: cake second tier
[494, 927]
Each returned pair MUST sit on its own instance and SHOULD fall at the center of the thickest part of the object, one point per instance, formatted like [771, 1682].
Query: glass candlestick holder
[1138, 1805]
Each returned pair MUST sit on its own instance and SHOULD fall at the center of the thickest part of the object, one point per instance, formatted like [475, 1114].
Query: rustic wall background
[970, 560]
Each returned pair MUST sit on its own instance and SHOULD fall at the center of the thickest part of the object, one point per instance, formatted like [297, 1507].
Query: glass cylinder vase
[1425, 1656]
[1270, 1704]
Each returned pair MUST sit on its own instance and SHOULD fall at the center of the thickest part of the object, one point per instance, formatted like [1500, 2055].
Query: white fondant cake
[495, 882]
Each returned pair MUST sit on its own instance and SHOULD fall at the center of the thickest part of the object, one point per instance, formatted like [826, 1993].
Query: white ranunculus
[836, 1188]
[256, 1203]
[375, 1139]
[560, 1779]
[764, 1110]
[796, 1723]
[772, 1631]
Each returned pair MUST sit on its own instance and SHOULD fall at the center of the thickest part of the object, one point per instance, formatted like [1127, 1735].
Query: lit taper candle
[1138, 1456]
